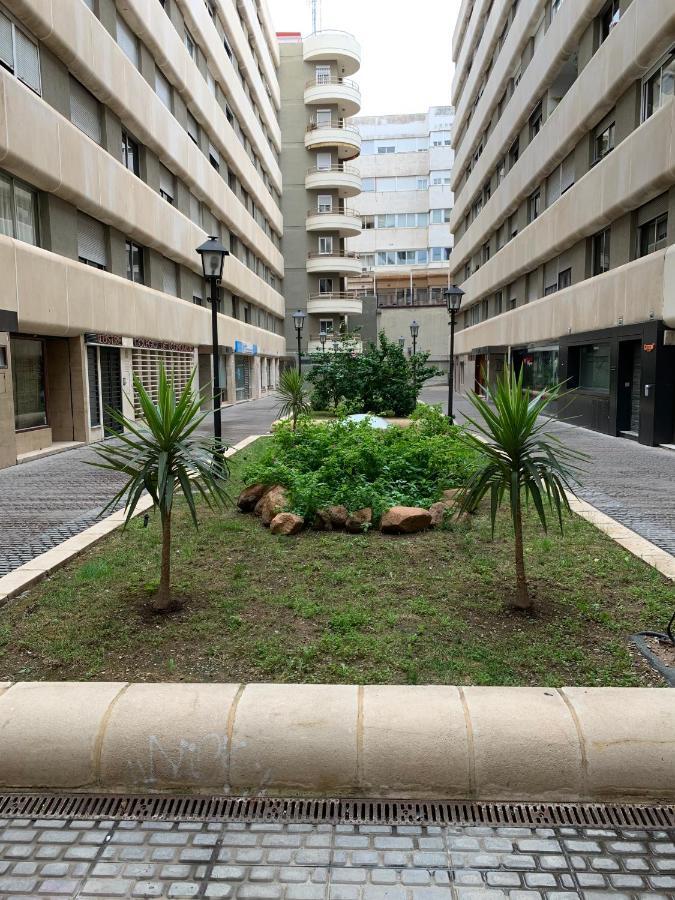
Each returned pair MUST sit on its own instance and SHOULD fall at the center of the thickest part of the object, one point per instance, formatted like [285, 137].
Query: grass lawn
[330, 607]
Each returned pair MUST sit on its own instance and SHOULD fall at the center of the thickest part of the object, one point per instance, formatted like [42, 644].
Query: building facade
[319, 146]
[564, 216]
[131, 131]
[405, 242]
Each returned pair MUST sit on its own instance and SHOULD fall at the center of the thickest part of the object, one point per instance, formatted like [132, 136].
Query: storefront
[244, 354]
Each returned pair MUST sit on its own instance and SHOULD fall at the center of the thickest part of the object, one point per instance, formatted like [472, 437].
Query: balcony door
[326, 245]
[323, 74]
[324, 118]
[324, 161]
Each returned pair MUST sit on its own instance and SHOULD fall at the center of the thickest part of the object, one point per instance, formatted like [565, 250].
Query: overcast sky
[406, 56]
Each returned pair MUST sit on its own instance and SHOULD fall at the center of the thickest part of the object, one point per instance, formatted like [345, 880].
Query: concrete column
[7, 433]
[231, 378]
[127, 382]
[256, 386]
[277, 372]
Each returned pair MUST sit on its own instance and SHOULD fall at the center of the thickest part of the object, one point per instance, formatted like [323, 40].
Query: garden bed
[330, 607]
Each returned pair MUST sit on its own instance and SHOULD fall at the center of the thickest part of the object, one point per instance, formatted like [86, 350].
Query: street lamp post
[414, 331]
[322, 340]
[299, 317]
[453, 297]
[213, 254]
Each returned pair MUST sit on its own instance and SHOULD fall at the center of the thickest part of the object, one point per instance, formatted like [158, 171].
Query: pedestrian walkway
[48, 500]
[89, 859]
[630, 482]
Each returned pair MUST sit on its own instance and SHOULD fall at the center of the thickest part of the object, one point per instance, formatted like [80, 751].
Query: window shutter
[163, 89]
[209, 222]
[166, 181]
[84, 111]
[169, 279]
[195, 211]
[127, 41]
[214, 153]
[27, 62]
[192, 127]
[6, 44]
[91, 240]
[92, 378]
[567, 174]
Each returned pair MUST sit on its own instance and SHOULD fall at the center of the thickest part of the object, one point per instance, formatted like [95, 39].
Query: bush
[352, 464]
[379, 380]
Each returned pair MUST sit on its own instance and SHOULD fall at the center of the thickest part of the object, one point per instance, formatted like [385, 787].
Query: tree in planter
[292, 392]
[518, 459]
[163, 457]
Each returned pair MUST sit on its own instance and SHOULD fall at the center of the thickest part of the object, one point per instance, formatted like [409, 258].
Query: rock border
[417, 742]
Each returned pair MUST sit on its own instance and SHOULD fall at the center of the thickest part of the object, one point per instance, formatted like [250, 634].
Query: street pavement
[631, 483]
[90, 859]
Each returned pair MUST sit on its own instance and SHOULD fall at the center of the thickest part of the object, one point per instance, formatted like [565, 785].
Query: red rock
[271, 503]
[405, 520]
[358, 521]
[286, 523]
[250, 496]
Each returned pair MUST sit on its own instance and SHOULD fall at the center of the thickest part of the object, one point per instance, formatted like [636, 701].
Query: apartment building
[131, 131]
[564, 215]
[319, 146]
[405, 242]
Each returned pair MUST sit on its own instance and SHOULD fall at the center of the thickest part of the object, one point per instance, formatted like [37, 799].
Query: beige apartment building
[405, 241]
[131, 130]
[319, 146]
[564, 215]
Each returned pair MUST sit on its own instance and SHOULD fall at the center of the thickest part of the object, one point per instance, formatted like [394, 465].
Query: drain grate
[357, 812]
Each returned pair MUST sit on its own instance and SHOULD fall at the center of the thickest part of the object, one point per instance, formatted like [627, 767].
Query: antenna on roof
[316, 15]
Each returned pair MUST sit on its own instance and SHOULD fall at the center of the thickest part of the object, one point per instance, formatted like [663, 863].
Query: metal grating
[357, 812]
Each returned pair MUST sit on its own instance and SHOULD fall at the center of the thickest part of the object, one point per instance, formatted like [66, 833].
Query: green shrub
[352, 464]
[379, 380]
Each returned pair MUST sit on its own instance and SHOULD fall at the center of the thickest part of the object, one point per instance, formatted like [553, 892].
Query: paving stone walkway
[86, 859]
[630, 482]
[48, 500]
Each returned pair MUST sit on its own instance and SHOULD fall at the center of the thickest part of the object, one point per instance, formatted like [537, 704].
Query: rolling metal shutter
[127, 41]
[84, 111]
[91, 240]
[169, 278]
[6, 42]
[27, 60]
[146, 365]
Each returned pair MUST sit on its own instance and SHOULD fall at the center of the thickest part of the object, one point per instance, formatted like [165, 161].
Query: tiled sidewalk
[85, 859]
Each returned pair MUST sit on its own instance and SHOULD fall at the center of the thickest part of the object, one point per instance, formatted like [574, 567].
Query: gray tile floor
[86, 859]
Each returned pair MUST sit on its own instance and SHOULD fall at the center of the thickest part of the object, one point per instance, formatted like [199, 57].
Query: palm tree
[292, 393]
[163, 457]
[518, 459]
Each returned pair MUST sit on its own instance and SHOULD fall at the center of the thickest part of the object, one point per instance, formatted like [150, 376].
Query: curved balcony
[334, 134]
[342, 262]
[341, 92]
[333, 45]
[345, 180]
[345, 221]
[334, 344]
[347, 303]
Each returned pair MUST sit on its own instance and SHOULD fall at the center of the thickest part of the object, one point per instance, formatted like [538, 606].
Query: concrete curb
[442, 742]
[38, 568]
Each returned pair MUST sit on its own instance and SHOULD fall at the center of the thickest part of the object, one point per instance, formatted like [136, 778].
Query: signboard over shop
[245, 348]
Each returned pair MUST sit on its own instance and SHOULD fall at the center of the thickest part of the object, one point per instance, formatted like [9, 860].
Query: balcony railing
[344, 254]
[333, 79]
[387, 301]
[320, 170]
[336, 295]
[334, 123]
[340, 211]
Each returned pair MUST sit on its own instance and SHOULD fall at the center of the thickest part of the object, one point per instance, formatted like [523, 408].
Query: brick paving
[89, 859]
[630, 482]
[48, 500]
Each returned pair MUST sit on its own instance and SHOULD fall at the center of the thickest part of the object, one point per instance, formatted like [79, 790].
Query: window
[28, 383]
[438, 178]
[440, 254]
[555, 6]
[367, 185]
[501, 170]
[609, 18]
[440, 216]
[323, 118]
[600, 253]
[325, 246]
[514, 153]
[367, 222]
[325, 285]
[603, 143]
[440, 138]
[91, 242]
[386, 148]
[534, 206]
[135, 271]
[536, 120]
[594, 367]
[227, 47]
[498, 304]
[130, 158]
[485, 252]
[423, 184]
[190, 45]
[163, 89]
[18, 210]
[564, 279]
[169, 277]
[322, 74]
[192, 128]
[84, 111]
[214, 157]
[127, 41]
[167, 184]
[19, 53]
[324, 203]
[653, 235]
[657, 89]
[326, 326]
[324, 161]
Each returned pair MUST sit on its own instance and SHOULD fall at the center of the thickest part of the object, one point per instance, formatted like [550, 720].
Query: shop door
[481, 374]
[111, 386]
[242, 377]
[628, 399]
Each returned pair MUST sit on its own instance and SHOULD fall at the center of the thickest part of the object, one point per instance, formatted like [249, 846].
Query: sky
[405, 46]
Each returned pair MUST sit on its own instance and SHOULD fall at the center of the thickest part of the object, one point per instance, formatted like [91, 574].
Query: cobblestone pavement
[48, 500]
[630, 482]
[85, 859]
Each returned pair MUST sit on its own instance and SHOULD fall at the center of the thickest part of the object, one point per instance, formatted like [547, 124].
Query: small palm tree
[162, 456]
[292, 392]
[518, 459]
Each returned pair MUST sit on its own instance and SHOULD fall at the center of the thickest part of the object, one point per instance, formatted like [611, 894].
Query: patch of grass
[332, 607]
